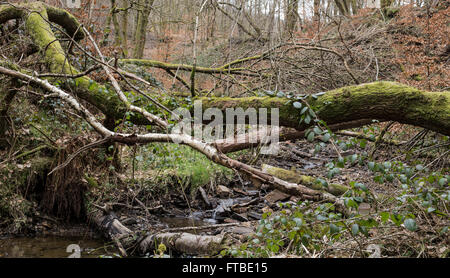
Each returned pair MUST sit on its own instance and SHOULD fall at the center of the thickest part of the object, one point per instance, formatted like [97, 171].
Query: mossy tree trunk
[378, 100]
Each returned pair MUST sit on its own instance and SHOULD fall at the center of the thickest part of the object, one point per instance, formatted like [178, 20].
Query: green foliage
[303, 228]
[300, 229]
[182, 162]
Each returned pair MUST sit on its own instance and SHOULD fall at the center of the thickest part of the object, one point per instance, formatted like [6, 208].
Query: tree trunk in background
[118, 35]
[355, 6]
[291, 17]
[125, 28]
[107, 30]
[386, 3]
[343, 6]
[141, 27]
[316, 10]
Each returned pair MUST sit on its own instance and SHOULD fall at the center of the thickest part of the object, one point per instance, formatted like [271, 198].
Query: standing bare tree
[291, 16]
[144, 8]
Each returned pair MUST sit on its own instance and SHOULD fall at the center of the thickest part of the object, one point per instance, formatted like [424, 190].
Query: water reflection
[52, 247]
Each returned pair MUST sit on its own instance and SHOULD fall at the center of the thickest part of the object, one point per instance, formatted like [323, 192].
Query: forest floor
[170, 198]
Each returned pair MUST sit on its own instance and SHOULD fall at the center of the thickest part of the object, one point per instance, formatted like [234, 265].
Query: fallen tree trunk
[308, 181]
[370, 138]
[242, 142]
[185, 243]
[379, 100]
[126, 240]
[227, 69]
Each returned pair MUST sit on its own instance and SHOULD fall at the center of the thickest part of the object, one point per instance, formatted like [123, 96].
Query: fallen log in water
[126, 240]
[185, 243]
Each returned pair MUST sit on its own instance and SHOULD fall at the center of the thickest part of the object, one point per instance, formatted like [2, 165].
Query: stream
[66, 246]
[53, 247]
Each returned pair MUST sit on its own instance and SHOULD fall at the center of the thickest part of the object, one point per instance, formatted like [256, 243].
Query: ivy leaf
[361, 186]
[364, 231]
[298, 222]
[442, 181]
[354, 158]
[297, 105]
[403, 178]
[326, 137]
[317, 130]
[355, 229]
[280, 94]
[334, 229]
[317, 148]
[410, 224]
[307, 119]
[322, 182]
[311, 136]
[269, 93]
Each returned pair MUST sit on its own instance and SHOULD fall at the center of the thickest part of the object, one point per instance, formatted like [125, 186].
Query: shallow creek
[64, 246]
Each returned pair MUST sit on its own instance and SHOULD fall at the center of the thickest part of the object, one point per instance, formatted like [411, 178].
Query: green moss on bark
[378, 100]
[308, 181]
